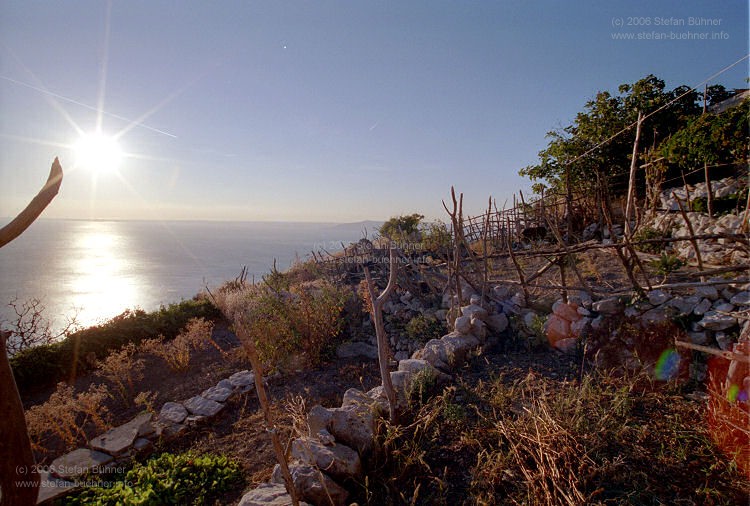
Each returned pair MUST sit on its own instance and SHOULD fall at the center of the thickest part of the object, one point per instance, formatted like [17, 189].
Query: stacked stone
[136, 437]
[329, 457]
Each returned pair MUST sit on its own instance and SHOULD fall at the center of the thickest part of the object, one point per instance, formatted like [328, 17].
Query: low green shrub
[186, 478]
[45, 365]
[667, 264]
[646, 234]
[423, 329]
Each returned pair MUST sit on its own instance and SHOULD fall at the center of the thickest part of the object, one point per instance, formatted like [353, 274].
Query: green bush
[46, 365]
[646, 234]
[401, 228]
[667, 264]
[423, 329]
[286, 325]
[168, 479]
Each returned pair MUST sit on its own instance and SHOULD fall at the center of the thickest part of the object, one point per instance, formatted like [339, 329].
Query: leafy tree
[712, 139]
[604, 117]
[402, 227]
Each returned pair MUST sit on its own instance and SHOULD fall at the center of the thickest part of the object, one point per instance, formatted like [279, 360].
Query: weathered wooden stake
[377, 314]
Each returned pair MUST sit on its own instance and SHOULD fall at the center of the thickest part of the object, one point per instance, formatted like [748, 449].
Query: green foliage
[168, 479]
[721, 205]
[711, 139]
[401, 228]
[647, 234]
[302, 322]
[436, 237]
[666, 264]
[46, 365]
[423, 329]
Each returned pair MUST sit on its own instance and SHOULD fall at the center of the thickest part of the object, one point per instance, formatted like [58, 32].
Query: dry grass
[176, 353]
[66, 416]
[123, 370]
[607, 439]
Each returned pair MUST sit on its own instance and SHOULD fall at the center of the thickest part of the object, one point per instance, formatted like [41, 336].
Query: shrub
[667, 264]
[66, 416]
[301, 322]
[176, 353]
[30, 327]
[186, 478]
[45, 365]
[437, 238]
[401, 228]
[645, 234]
[122, 369]
[423, 329]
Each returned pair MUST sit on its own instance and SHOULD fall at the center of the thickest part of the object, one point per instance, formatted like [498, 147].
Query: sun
[98, 152]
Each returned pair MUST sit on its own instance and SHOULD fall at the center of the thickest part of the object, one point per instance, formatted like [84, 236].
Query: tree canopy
[674, 120]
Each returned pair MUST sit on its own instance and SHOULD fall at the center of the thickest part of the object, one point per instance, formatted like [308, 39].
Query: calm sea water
[98, 269]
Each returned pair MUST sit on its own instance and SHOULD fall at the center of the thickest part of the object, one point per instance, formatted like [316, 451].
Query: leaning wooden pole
[630, 204]
[19, 480]
[377, 303]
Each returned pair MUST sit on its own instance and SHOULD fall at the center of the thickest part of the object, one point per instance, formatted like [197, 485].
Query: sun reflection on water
[101, 276]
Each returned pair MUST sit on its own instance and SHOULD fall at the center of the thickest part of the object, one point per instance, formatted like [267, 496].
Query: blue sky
[320, 111]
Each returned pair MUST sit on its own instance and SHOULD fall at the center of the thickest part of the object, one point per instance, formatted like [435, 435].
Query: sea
[95, 270]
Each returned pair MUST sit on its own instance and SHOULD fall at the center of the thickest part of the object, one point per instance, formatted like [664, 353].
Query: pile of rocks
[720, 188]
[713, 251]
[329, 456]
[712, 310]
[109, 451]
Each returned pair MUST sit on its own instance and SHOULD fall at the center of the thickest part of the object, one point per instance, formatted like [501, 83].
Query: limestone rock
[698, 337]
[355, 397]
[474, 310]
[609, 306]
[203, 407]
[567, 311]
[52, 488]
[173, 412]
[497, 323]
[118, 440]
[225, 383]
[567, 345]
[242, 379]
[724, 341]
[684, 305]
[217, 393]
[268, 494]
[318, 418]
[741, 299]
[580, 327]
[313, 485]
[702, 307]
[337, 460]
[435, 353]
[79, 462]
[716, 321]
[357, 349]
[354, 426]
[462, 324]
[707, 291]
[655, 316]
[401, 381]
[658, 297]
[415, 366]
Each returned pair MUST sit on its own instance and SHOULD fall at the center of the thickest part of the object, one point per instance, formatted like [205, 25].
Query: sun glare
[98, 153]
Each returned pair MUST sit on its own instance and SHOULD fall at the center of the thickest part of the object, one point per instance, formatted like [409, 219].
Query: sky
[333, 111]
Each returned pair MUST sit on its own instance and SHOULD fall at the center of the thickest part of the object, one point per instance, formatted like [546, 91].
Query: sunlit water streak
[100, 268]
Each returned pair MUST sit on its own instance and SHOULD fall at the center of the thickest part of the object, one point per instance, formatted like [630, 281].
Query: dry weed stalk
[66, 415]
[176, 353]
[123, 370]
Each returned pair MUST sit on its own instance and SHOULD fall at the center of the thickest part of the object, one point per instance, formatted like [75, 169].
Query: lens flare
[667, 365]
